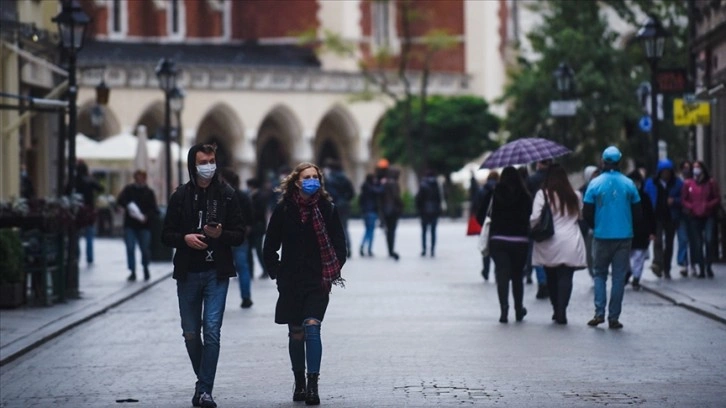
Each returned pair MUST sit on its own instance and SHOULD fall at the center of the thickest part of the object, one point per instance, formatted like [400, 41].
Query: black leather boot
[311, 395]
[503, 318]
[298, 393]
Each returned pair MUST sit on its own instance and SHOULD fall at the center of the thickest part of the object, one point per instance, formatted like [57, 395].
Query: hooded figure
[191, 207]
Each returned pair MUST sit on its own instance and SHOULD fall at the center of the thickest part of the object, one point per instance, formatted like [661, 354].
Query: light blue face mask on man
[310, 186]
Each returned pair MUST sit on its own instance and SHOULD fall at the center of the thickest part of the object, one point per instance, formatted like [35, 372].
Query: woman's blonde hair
[287, 185]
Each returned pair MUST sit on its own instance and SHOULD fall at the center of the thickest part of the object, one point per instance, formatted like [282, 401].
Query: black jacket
[644, 226]
[428, 198]
[144, 198]
[183, 217]
[300, 266]
[510, 212]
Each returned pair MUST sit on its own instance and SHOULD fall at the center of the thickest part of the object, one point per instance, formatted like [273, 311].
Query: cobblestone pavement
[420, 332]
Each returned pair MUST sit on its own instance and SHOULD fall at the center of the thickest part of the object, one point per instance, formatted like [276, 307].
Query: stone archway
[337, 138]
[153, 118]
[222, 126]
[279, 136]
[109, 125]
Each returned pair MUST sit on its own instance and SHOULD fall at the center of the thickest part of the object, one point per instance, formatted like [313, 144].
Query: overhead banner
[691, 113]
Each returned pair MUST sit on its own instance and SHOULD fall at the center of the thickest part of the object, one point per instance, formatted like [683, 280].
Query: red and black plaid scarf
[328, 259]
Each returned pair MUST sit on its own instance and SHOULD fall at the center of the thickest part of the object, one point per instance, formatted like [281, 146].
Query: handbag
[545, 227]
[483, 243]
[473, 227]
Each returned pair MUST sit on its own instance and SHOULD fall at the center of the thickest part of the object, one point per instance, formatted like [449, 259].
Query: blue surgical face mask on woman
[310, 186]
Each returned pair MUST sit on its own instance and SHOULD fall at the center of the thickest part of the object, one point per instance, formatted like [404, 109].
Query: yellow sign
[687, 114]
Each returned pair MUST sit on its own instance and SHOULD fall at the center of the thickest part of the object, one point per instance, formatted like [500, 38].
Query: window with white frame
[118, 22]
[383, 25]
[176, 19]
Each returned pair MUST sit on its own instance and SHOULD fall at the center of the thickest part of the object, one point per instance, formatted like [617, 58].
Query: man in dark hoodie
[664, 191]
[203, 222]
[428, 205]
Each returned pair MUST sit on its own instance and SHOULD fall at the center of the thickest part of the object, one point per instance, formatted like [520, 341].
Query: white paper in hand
[135, 212]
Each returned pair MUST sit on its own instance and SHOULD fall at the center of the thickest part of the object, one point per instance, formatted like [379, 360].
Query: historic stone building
[263, 98]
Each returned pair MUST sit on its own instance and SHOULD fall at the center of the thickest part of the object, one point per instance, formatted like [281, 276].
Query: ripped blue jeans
[305, 345]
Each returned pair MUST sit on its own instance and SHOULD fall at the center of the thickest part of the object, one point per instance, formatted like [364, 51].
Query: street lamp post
[653, 36]
[177, 105]
[564, 77]
[72, 23]
[166, 72]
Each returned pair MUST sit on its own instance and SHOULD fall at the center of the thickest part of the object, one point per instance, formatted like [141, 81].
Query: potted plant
[12, 274]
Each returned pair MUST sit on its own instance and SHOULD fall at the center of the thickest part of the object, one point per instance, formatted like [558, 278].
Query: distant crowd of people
[605, 226]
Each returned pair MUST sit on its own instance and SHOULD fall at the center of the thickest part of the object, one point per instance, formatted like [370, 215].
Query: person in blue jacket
[664, 191]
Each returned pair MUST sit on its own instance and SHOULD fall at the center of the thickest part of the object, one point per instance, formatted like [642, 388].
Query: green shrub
[11, 256]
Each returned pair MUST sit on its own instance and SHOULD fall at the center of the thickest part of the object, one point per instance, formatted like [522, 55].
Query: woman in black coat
[509, 239]
[306, 225]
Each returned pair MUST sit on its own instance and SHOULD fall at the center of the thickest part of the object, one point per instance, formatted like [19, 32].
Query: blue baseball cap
[611, 155]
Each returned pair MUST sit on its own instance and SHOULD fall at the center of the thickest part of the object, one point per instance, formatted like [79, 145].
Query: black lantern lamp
[72, 23]
[177, 105]
[166, 73]
[564, 76]
[653, 36]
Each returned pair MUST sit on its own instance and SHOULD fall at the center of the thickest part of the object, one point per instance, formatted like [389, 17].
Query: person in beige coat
[564, 252]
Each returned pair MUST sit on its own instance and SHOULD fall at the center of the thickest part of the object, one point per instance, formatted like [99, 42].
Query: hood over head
[664, 164]
[192, 162]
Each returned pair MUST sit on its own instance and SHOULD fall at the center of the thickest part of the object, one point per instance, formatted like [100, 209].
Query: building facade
[709, 48]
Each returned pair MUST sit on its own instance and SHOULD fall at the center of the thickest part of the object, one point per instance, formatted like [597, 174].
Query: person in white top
[564, 252]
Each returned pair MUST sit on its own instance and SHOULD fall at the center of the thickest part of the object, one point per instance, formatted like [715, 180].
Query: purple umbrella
[524, 151]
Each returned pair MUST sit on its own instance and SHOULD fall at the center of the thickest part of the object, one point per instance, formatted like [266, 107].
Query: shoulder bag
[483, 243]
[545, 227]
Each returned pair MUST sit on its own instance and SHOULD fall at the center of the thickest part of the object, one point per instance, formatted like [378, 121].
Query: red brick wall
[99, 18]
[202, 21]
[144, 20]
[426, 15]
[258, 19]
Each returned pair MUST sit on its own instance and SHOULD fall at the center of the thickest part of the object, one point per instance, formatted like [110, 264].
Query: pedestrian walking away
[341, 191]
[589, 173]
[259, 223]
[242, 252]
[203, 223]
[370, 193]
[643, 232]
[484, 199]
[611, 207]
[391, 207]
[701, 200]
[428, 205]
[563, 253]
[87, 187]
[306, 226]
[509, 239]
[534, 183]
[664, 192]
[139, 202]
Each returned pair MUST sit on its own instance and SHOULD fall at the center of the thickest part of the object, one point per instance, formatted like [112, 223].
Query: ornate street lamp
[565, 79]
[177, 105]
[564, 76]
[653, 36]
[166, 72]
[72, 23]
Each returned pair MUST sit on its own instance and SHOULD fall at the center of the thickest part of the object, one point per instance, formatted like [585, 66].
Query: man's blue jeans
[604, 253]
[242, 265]
[88, 233]
[143, 238]
[201, 306]
[370, 219]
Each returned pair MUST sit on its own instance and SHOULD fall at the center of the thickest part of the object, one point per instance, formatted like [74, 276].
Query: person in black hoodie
[644, 230]
[428, 205]
[203, 222]
[306, 225]
[509, 239]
